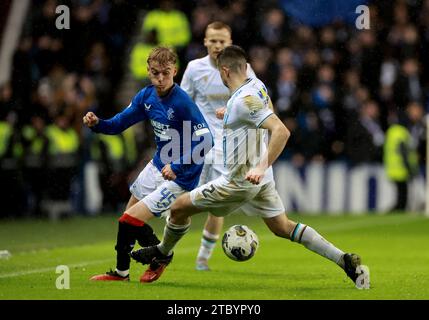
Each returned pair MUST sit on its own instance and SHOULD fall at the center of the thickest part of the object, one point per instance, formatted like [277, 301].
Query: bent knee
[179, 207]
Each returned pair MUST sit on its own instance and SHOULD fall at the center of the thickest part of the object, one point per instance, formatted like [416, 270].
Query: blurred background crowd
[337, 88]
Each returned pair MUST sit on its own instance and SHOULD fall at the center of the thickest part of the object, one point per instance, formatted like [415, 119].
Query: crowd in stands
[336, 88]
[57, 76]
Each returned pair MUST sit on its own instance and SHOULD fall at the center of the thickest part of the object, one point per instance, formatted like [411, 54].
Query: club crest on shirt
[170, 114]
[253, 103]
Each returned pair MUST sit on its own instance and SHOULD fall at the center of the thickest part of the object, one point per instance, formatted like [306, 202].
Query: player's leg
[271, 209]
[177, 226]
[156, 204]
[211, 232]
[297, 232]
[131, 229]
[132, 201]
[133, 225]
[268, 204]
[147, 236]
[124, 245]
[283, 227]
[214, 224]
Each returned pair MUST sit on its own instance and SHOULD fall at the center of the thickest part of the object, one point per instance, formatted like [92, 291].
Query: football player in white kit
[204, 85]
[247, 182]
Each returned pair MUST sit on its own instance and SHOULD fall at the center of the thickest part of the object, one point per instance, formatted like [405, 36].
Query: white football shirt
[202, 82]
[244, 142]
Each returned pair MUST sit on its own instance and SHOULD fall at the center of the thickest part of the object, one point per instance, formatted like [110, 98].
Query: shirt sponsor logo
[160, 130]
[199, 126]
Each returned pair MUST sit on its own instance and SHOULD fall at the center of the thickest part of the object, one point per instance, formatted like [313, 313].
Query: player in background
[175, 167]
[204, 85]
[248, 183]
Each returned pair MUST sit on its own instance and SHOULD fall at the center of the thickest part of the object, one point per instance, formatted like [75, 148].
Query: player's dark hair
[162, 55]
[232, 57]
[219, 25]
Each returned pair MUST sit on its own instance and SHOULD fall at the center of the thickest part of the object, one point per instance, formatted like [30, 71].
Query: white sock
[313, 241]
[123, 273]
[172, 234]
[208, 243]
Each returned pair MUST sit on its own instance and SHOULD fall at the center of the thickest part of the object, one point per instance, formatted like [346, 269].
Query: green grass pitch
[395, 247]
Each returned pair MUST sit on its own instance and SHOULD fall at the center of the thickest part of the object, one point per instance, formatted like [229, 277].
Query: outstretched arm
[118, 123]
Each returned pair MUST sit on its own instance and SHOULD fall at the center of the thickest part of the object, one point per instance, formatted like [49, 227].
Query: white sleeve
[252, 109]
[187, 84]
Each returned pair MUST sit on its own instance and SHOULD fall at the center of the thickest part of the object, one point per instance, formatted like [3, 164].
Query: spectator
[63, 147]
[286, 88]
[260, 58]
[417, 128]
[171, 26]
[238, 18]
[273, 28]
[109, 151]
[365, 137]
[139, 54]
[370, 61]
[35, 144]
[400, 156]
[12, 194]
[23, 72]
[311, 138]
[408, 86]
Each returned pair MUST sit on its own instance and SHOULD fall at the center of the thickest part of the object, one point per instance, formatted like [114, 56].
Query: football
[240, 243]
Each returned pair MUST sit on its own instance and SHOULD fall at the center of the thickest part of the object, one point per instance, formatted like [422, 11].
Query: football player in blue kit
[182, 136]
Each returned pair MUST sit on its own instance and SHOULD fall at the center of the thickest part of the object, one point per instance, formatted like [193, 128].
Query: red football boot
[152, 273]
[110, 276]
[156, 260]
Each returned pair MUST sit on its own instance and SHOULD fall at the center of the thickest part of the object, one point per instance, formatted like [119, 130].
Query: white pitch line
[49, 269]
[76, 265]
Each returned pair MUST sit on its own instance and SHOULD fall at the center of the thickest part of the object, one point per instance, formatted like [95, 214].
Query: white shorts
[221, 197]
[155, 192]
[212, 169]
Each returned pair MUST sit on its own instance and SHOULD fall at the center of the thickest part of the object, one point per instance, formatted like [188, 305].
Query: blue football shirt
[182, 135]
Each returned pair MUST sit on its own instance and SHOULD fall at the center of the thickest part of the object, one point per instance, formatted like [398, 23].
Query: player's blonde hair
[219, 25]
[162, 55]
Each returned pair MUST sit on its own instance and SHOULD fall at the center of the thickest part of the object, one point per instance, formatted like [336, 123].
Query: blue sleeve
[201, 142]
[123, 120]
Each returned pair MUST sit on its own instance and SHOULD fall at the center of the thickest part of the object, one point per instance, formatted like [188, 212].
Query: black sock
[146, 237]
[125, 241]
[127, 236]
